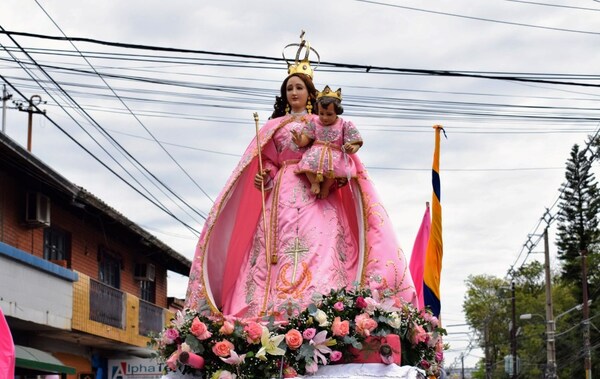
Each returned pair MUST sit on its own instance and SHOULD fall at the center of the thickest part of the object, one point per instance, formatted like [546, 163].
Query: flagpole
[434, 253]
[270, 259]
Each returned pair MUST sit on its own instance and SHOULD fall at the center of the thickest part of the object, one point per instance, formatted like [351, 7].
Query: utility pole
[5, 98]
[550, 325]
[488, 364]
[462, 366]
[513, 331]
[34, 101]
[586, 318]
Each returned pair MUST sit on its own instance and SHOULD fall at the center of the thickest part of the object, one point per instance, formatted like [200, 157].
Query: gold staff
[270, 258]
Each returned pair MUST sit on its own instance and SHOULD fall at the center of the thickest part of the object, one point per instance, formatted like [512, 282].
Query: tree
[487, 305]
[487, 309]
[578, 216]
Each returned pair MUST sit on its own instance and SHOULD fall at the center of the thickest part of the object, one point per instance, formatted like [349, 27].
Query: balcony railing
[106, 304]
[150, 319]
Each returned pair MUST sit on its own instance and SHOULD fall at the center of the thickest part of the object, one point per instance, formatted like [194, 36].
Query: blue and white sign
[134, 368]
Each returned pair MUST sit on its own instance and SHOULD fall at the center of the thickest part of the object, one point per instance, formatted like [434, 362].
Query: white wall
[30, 294]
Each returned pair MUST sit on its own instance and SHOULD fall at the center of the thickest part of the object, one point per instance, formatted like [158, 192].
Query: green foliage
[578, 217]
[487, 304]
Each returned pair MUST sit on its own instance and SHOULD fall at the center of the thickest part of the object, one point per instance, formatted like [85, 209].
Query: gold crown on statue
[301, 66]
[328, 92]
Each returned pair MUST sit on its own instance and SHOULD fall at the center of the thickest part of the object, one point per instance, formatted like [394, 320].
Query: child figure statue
[332, 138]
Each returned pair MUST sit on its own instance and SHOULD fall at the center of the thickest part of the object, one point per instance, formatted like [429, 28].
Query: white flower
[270, 344]
[321, 318]
[394, 320]
[185, 347]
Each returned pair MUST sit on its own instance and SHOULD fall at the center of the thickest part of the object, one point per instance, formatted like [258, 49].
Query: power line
[101, 162]
[478, 18]
[362, 68]
[131, 112]
[156, 202]
[555, 5]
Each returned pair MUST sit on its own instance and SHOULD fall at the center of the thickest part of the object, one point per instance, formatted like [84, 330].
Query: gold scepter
[270, 258]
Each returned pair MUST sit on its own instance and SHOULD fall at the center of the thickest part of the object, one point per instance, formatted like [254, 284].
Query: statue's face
[327, 114]
[297, 94]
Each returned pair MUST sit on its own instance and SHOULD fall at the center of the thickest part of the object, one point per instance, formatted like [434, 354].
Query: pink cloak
[320, 244]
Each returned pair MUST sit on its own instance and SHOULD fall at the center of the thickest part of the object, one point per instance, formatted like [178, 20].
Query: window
[147, 291]
[57, 244]
[109, 264]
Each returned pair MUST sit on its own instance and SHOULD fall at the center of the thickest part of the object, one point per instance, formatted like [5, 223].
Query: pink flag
[417, 258]
[7, 350]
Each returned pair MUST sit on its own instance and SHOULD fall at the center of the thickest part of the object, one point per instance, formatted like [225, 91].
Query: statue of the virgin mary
[252, 262]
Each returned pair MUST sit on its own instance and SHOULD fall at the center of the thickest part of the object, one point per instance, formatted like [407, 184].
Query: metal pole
[5, 98]
[550, 326]
[29, 125]
[488, 364]
[34, 101]
[513, 332]
[586, 318]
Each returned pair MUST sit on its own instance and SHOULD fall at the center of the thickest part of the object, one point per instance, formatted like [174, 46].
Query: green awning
[37, 360]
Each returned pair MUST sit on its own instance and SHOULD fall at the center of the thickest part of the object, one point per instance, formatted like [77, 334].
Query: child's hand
[298, 138]
[351, 148]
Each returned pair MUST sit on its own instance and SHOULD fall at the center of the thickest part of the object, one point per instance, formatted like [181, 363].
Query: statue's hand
[261, 178]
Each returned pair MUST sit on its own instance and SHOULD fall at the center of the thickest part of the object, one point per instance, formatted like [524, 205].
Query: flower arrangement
[332, 329]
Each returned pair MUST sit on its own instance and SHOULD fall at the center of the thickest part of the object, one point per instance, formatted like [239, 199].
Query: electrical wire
[323, 64]
[478, 18]
[132, 113]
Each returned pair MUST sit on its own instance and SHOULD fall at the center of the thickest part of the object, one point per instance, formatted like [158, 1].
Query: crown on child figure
[328, 92]
[301, 66]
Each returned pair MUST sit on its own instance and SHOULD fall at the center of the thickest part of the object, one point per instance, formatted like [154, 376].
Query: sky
[187, 117]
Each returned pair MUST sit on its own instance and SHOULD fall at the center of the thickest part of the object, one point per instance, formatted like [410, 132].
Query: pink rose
[418, 335]
[309, 333]
[430, 318]
[293, 339]
[361, 303]
[227, 328]
[424, 364]
[339, 306]
[335, 356]
[439, 346]
[439, 356]
[199, 329]
[311, 367]
[253, 331]
[340, 328]
[289, 372]
[172, 361]
[170, 335]
[365, 324]
[222, 348]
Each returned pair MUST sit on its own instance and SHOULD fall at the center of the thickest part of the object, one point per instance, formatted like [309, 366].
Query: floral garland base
[362, 324]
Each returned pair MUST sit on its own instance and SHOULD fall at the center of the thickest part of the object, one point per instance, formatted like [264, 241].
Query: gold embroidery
[285, 287]
[295, 250]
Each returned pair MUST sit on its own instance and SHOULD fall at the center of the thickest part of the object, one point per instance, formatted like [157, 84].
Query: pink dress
[325, 156]
[319, 244]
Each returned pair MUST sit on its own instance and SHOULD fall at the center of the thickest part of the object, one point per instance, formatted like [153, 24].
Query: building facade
[80, 285]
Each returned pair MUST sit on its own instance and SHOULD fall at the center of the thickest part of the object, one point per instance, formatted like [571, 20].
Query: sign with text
[134, 368]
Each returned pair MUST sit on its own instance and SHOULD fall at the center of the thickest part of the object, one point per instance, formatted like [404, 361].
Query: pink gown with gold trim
[320, 244]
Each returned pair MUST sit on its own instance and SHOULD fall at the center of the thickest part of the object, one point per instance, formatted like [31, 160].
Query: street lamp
[550, 345]
[550, 333]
